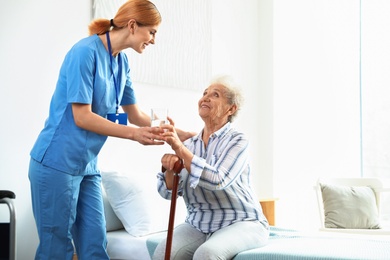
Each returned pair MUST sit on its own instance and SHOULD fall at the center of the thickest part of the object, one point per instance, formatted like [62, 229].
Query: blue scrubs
[64, 177]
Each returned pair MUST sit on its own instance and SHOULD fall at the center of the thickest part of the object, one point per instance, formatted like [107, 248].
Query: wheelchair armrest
[7, 194]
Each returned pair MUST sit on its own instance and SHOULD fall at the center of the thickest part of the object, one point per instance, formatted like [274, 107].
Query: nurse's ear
[132, 25]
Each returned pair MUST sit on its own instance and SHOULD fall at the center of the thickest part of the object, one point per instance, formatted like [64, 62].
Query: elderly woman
[223, 214]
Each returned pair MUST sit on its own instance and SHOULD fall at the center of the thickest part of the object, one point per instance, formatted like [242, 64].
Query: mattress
[284, 244]
[293, 245]
[122, 246]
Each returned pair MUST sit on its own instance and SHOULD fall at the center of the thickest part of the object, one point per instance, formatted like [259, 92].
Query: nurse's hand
[148, 135]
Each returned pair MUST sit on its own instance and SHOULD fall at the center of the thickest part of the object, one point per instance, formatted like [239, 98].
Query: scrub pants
[68, 212]
[188, 243]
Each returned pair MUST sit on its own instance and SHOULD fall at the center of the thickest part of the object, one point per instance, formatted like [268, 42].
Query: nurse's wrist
[130, 133]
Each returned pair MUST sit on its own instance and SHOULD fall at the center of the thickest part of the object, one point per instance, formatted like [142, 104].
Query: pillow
[112, 221]
[350, 207]
[127, 200]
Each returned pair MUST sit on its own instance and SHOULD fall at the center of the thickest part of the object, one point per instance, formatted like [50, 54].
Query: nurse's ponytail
[142, 11]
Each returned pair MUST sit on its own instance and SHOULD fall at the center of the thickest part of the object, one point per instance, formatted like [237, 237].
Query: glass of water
[159, 116]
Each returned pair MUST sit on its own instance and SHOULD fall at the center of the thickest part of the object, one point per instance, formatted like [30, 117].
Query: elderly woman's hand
[170, 135]
[169, 163]
[172, 138]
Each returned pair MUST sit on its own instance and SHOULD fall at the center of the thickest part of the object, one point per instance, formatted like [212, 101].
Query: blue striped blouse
[217, 191]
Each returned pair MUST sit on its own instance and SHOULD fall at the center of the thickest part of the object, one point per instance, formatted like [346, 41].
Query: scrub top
[86, 76]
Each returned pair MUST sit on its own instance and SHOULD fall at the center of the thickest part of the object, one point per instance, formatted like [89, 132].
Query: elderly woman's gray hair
[232, 92]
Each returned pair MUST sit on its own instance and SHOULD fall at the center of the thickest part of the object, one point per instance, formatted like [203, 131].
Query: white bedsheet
[122, 246]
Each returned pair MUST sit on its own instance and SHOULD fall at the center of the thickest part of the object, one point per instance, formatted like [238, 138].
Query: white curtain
[375, 84]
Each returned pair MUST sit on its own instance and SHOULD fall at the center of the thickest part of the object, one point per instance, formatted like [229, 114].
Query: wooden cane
[176, 170]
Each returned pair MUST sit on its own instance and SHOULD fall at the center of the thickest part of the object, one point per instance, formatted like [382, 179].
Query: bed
[284, 244]
[137, 219]
[287, 244]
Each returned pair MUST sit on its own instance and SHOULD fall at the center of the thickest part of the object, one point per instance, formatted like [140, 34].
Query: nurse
[93, 83]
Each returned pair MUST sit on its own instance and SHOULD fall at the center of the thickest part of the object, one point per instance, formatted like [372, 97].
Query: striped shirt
[217, 191]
